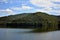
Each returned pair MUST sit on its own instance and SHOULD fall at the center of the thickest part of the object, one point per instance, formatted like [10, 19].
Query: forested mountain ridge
[40, 19]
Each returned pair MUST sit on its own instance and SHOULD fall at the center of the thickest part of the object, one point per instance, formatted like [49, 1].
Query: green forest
[39, 20]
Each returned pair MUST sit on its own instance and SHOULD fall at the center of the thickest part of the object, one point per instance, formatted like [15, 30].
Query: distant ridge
[38, 18]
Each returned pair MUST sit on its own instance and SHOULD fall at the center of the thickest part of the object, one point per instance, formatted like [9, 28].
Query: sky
[12, 7]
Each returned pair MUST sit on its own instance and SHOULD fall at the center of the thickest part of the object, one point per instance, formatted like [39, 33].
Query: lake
[22, 34]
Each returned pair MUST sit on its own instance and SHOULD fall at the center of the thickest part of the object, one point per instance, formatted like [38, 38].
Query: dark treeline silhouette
[24, 25]
[59, 25]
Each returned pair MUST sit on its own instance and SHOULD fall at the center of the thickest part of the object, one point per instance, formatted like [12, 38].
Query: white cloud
[9, 11]
[56, 0]
[15, 8]
[49, 11]
[26, 7]
[41, 3]
[44, 3]
[22, 8]
[47, 4]
[43, 10]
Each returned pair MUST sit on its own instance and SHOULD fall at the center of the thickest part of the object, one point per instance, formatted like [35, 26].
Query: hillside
[38, 20]
[58, 18]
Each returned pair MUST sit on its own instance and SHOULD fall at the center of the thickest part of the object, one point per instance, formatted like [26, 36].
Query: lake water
[22, 34]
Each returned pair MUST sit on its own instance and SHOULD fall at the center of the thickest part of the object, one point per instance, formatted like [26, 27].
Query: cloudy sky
[11, 7]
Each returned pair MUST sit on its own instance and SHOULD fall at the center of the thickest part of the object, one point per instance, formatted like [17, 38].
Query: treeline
[23, 25]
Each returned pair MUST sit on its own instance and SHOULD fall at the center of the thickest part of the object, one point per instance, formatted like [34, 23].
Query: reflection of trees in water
[59, 25]
[25, 25]
[29, 25]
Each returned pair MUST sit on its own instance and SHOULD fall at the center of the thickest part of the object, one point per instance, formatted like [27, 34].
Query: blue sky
[12, 7]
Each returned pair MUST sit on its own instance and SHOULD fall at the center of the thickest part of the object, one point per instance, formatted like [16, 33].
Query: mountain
[38, 20]
[58, 18]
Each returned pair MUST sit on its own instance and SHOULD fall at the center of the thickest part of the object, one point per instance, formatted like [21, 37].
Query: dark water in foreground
[21, 34]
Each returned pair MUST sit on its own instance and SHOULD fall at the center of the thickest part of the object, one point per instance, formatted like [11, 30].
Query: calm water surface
[21, 34]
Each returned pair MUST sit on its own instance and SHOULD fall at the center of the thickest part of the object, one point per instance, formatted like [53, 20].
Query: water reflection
[3, 33]
[18, 34]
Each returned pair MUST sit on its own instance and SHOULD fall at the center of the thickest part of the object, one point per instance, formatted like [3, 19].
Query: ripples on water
[20, 34]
